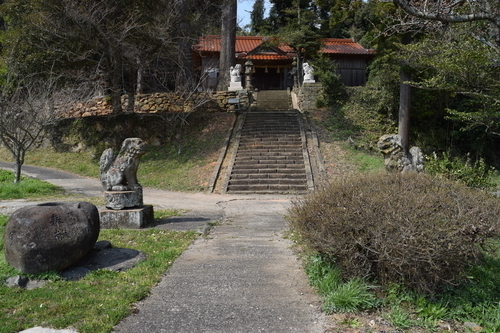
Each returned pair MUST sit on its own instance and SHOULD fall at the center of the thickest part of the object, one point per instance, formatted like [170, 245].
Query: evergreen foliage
[334, 92]
[474, 174]
[259, 25]
[124, 47]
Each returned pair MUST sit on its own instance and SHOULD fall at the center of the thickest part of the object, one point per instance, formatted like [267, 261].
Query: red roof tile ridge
[252, 44]
[338, 40]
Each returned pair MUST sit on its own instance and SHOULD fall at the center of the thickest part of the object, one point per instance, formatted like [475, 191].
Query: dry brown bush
[413, 229]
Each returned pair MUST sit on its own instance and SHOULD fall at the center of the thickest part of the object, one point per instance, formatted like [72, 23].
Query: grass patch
[162, 168]
[99, 301]
[476, 300]
[84, 163]
[365, 162]
[27, 188]
[166, 213]
[338, 296]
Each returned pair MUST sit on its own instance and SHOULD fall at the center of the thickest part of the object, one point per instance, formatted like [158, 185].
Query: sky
[244, 9]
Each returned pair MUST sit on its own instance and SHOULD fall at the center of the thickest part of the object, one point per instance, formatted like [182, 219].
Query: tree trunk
[228, 41]
[140, 74]
[404, 104]
[404, 110]
[19, 161]
[185, 73]
[114, 70]
[129, 84]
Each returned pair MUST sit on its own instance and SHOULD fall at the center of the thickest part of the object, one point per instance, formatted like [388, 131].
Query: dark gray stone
[74, 273]
[50, 236]
[102, 245]
[115, 259]
[17, 281]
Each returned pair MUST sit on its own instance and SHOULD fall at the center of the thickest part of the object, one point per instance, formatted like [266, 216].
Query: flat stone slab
[131, 218]
[104, 256]
[114, 259]
[46, 330]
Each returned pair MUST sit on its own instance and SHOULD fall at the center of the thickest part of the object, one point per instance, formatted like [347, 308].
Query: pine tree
[257, 23]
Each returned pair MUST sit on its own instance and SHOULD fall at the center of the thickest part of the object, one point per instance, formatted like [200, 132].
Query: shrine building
[272, 62]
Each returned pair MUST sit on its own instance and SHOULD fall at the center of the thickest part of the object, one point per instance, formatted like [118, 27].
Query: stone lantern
[248, 74]
[294, 73]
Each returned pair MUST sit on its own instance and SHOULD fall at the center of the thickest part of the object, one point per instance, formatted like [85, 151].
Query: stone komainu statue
[308, 69]
[119, 173]
[394, 157]
[235, 73]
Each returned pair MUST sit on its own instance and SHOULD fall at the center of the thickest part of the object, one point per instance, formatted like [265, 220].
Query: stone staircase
[270, 155]
[272, 100]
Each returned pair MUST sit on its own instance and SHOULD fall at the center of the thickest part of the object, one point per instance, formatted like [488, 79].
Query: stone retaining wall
[159, 102]
[222, 98]
[305, 96]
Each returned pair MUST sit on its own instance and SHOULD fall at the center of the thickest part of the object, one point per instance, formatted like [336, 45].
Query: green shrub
[477, 174]
[413, 229]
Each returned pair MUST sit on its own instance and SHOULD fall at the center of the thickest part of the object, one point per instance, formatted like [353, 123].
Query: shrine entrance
[268, 78]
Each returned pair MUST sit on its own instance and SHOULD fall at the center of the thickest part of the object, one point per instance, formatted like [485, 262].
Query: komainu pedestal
[123, 199]
[129, 218]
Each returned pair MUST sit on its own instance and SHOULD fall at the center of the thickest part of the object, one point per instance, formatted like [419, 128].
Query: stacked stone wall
[158, 103]
[222, 99]
[307, 95]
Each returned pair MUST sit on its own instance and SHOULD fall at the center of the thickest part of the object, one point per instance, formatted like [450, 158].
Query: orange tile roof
[244, 44]
[343, 46]
[247, 44]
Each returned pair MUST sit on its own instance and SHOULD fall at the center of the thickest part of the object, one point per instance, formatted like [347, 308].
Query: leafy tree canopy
[458, 62]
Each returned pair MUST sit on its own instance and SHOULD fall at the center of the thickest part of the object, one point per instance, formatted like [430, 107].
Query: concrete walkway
[242, 277]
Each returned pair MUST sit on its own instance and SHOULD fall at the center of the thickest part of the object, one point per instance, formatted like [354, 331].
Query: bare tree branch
[448, 10]
[24, 114]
